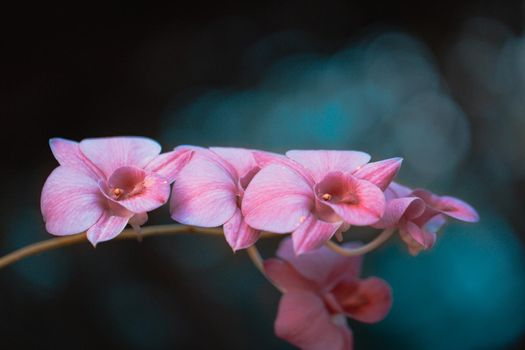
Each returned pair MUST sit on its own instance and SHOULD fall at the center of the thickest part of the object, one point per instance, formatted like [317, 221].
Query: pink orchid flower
[315, 194]
[321, 289]
[103, 184]
[209, 192]
[419, 214]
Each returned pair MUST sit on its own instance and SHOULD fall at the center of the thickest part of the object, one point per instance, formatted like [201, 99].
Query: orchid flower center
[117, 192]
[125, 182]
[327, 197]
[333, 188]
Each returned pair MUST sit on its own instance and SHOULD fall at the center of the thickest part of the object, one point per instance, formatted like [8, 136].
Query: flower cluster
[104, 184]
[312, 194]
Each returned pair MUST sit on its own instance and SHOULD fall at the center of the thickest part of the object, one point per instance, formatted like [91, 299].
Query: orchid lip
[325, 212]
[125, 182]
[330, 189]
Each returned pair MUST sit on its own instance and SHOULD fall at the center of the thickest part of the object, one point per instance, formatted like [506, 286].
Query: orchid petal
[457, 209]
[380, 173]
[241, 159]
[205, 153]
[367, 300]
[396, 209]
[238, 234]
[204, 192]
[416, 233]
[396, 190]
[453, 207]
[430, 198]
[324, 266]
[70, 201]
[67, 153]
[322, 162]
[169, 164]
[303, 321]
[312, 234]
[111, 153]
[107, 227]
[277, 199]
[416, 238]
[286, 277]
[264, 159]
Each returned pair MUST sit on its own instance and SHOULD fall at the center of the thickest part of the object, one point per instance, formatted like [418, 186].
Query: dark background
[117, 68]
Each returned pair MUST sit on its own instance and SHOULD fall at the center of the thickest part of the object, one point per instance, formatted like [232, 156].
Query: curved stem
[376, 242]
[256, 258]
[160, 230]
[148, 231]
[258, 261]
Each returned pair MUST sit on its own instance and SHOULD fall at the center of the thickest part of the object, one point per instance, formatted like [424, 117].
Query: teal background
[440, 84]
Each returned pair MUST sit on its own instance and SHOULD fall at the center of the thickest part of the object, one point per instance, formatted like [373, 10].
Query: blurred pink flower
[104, 183]
[315, 194]
[209, 192]
[419, 214]
[321, 289]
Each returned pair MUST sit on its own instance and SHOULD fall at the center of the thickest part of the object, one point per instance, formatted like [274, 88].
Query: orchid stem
[376, 242]
[59, 242]
[161, 230]
[256, 258]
